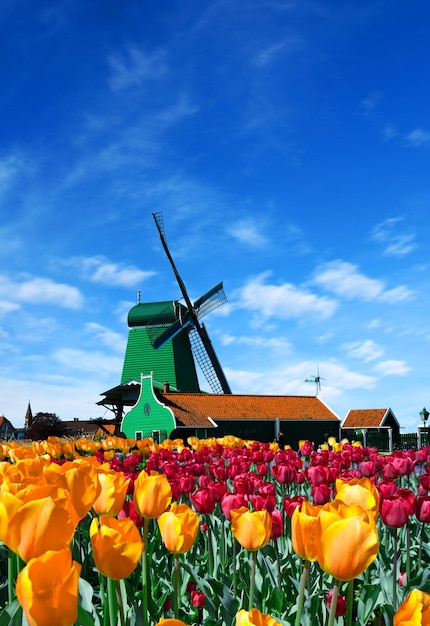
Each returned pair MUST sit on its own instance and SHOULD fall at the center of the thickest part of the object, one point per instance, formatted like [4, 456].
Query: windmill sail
[208, 362]
[188, 319]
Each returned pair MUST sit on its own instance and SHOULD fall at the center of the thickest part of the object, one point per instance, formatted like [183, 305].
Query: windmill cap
[152, 314]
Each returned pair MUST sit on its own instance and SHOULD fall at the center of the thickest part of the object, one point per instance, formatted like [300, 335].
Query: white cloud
[418, 138]
[85, 361]
[135, 67]
[41, 291]
[114, 341]
[392, 367]
[8, 307]
[345, 280]
[396, 243]
[249, 232]
[272, 52]
[366, 350]
[283, 301]
[100, 270]
[274, 343]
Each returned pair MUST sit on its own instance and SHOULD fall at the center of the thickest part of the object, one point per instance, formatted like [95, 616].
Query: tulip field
[228, 532]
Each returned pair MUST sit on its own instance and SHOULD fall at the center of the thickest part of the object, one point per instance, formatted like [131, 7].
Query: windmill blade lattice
[205, 363]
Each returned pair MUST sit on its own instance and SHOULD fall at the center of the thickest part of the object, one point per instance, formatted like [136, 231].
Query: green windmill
[167, 339]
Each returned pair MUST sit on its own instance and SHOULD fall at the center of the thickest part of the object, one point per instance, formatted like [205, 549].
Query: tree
[44, 425]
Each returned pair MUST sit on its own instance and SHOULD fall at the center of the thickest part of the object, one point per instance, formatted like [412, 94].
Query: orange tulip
[47, 589]
[304, 530]
[359, 491]
[117, 546]
[80, 479]
[9, 505]
[46, 520]
[152, 494]
[251, 528]
[415, 610]
[255, 618]
[170, 621]
[179, 526]
[348, 541]
[113, 491]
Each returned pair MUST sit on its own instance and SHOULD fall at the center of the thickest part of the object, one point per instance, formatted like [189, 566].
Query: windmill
[187, 320]
[316, 380]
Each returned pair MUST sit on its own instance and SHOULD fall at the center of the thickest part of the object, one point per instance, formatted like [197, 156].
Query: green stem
[420, 549]
[209, 547]
[112, 601]
[300, 602]
[252, 579]
[395, 550]
[408, 552]
[11, 574]
[278, 564]
[119, 596]
[176, 587]
[234, 568]
[144, 562]
[333, 604]
[349, 602]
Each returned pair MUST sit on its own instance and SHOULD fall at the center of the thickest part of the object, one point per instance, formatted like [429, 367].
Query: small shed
[370, 426]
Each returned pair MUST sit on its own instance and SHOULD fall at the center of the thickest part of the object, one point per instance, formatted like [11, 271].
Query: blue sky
[287, 144]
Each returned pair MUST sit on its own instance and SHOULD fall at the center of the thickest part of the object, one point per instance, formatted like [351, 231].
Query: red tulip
[395, 511]
[284, 473]
[187, 483]
[203, 500]
[260, 502]
[386, 488]
[232, 500]
[321, 494]
[277, 524]
[317, 474]
[422, 509]
[340, 605]
[369, 468]
[198, 599]
[290, 504]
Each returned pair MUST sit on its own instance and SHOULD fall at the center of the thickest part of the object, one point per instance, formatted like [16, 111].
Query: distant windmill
[316, 380]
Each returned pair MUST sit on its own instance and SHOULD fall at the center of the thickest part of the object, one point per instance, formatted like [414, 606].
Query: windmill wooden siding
[173, 362]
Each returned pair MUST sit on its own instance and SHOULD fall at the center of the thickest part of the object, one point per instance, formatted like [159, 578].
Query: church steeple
[28, 417]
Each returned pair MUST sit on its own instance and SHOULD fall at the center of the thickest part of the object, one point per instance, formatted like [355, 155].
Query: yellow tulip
[47, 589]
[359, 491]
[304, 533]
[152, 494]
[251, 528]
[178, 527]
[255, 618]
[414, 611]
[46, 520]
[80, 479]
[117, 546]
[113, 491]
[348, 541]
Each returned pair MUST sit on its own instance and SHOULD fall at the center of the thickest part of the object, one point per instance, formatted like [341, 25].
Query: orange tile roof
[193, 409]
[364, 418]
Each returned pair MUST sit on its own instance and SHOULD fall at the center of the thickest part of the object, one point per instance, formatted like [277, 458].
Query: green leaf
[12, 615]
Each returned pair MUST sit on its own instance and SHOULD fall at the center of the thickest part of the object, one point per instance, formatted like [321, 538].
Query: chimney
[166, 388]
